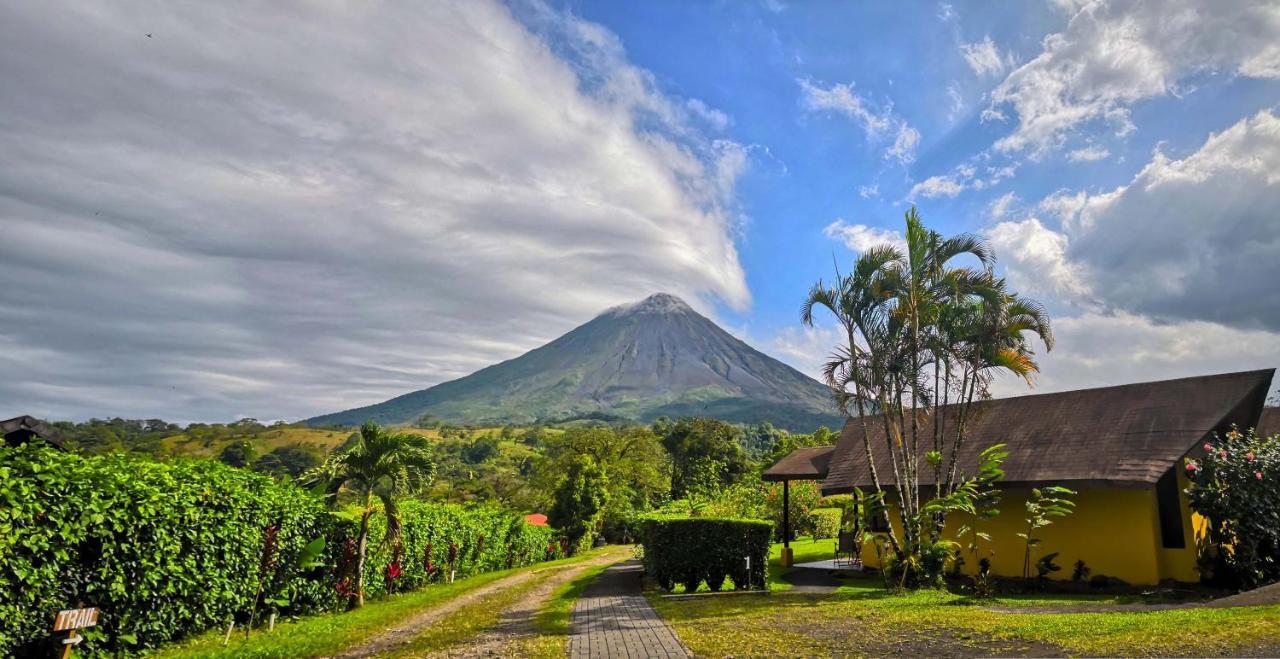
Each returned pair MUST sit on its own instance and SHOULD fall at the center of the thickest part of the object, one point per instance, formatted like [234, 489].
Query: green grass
[864, 618]
[803, 550]
[326, 634]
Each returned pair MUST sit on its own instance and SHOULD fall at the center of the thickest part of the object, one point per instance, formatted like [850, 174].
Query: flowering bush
[1236, 486]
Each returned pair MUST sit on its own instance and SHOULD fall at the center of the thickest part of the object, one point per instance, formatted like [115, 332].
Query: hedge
[694, 550]
[482, 540]
[165, 549]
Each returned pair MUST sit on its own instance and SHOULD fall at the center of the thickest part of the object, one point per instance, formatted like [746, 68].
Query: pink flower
[1191, 467]
[1249, 456]
[1257, 475]
[1208, 446]
[1223, 454]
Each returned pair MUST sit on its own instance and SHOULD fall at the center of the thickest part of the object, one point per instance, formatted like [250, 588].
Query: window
[878, 524]
[1169, 503]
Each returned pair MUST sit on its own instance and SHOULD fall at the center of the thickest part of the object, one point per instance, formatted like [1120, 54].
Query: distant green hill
[657, 357]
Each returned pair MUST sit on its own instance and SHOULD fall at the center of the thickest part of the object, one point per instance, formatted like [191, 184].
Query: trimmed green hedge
[693, 550]
[826, 522]
[165, 549]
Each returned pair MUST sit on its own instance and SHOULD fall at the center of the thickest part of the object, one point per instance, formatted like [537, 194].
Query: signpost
[72, 620]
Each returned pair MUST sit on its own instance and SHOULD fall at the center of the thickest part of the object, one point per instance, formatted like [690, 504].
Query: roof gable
[1128, 434]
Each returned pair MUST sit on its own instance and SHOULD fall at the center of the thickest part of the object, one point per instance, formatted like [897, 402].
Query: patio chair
[847, 549]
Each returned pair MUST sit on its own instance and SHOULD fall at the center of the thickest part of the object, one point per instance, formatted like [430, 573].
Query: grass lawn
[864, 618]
[331, 633]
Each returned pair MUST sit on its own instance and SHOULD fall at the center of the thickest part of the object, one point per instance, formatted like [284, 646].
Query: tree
[789, 442]
[237, 454]
[482, 449]
[921, 340]
[292, 461]
[762, 438]
[637, 470]
[706, 454]
[378, 465]
[579, 500]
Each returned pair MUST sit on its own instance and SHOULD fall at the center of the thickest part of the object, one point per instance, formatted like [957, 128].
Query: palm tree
[916, 331]
[377, 467]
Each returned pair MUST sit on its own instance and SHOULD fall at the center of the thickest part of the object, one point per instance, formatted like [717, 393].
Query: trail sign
[73, 619]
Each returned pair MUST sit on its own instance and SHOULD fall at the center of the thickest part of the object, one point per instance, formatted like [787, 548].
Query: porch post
[786, 524]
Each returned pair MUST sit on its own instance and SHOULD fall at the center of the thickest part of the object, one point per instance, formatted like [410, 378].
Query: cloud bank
[234, 218]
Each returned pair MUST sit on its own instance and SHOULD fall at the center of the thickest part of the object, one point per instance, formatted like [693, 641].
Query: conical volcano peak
[633, 363]
[658, 303]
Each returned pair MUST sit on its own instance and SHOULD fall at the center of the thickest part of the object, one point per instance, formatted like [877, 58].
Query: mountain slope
[656, 357]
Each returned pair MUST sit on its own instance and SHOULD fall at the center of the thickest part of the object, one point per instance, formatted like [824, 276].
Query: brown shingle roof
[20, 429]
[1269, 424]
[802, 464]
[1129, 434]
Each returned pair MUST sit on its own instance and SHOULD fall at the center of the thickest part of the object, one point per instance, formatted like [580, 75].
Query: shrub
[167, 549]
[826, 522]
[161, 548]
[482, 540]
[1236, 485]
[690, 551]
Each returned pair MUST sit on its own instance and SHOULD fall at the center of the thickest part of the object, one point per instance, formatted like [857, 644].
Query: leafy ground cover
[324, 635]
[864, 618]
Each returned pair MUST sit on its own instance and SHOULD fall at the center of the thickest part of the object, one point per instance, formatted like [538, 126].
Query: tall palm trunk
[361, 547]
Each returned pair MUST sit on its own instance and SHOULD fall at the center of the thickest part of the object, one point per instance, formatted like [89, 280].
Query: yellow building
[1120, 448]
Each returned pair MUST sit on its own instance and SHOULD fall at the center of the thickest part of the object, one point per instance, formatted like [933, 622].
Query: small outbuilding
[24, 429]
[1120, 448]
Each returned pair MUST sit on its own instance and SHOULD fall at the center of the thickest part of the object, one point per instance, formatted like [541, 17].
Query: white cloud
[1000, 207]
[985, 58]
[1186, 240]
[943, 185]
[869, 191]
[1097, 349]
[905, 141]
[715, 118]
[1112, 54]
[860, 237]
[1088, 154]
[946, 11]
[229, 219]
[876, 124]
[957, 103]
[806, 349]
[1196, 238]
[937, 186]
[1035, 261]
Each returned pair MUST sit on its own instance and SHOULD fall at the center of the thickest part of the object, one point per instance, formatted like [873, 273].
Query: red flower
[393, 570]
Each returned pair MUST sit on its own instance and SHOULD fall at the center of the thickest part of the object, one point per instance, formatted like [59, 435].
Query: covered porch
[804, 464]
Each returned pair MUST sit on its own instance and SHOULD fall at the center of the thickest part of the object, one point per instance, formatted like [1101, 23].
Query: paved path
[613, 619]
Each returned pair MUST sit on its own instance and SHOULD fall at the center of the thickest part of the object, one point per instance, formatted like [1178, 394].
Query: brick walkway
[612, 619]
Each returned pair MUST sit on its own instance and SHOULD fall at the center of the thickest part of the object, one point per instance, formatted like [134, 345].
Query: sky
[211, 211]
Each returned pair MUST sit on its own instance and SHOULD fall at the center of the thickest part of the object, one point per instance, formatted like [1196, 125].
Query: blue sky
[288, 212]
